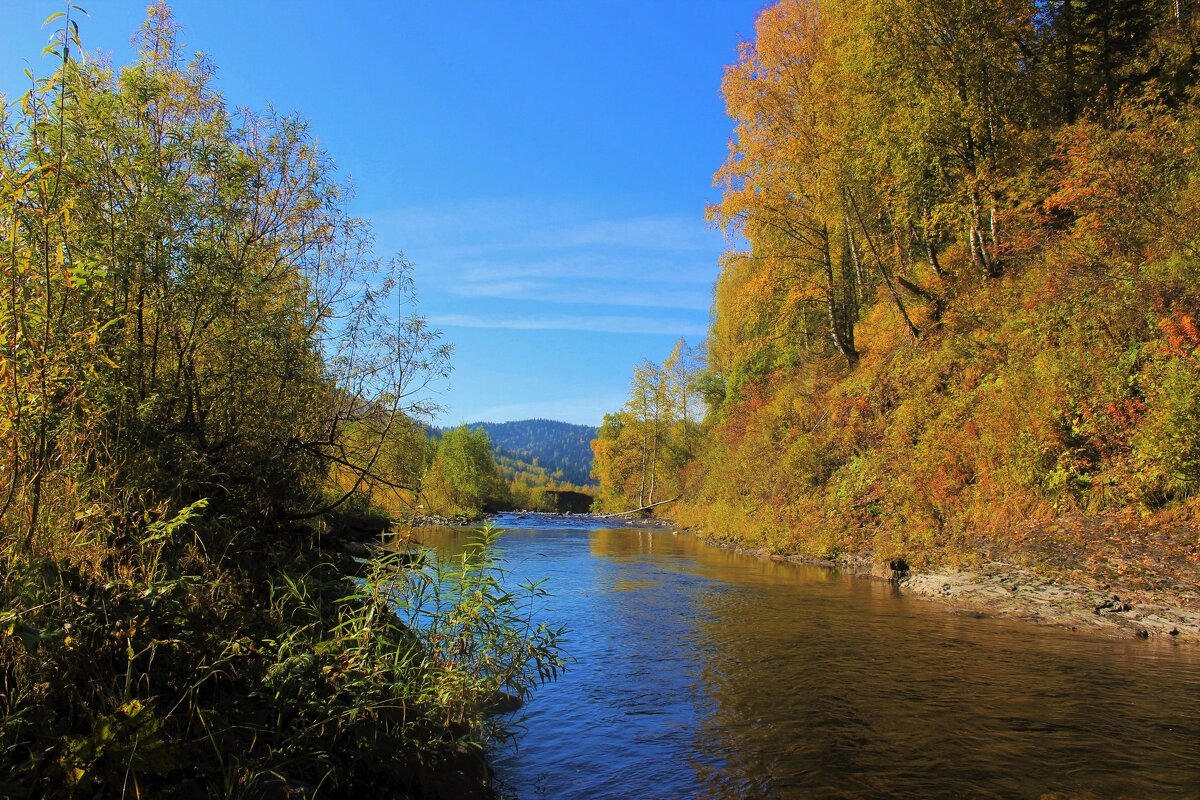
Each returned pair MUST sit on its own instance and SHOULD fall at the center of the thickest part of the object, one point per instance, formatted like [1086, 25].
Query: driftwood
[639, 510]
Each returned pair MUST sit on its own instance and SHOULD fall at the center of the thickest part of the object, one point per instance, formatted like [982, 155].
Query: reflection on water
[705, 673]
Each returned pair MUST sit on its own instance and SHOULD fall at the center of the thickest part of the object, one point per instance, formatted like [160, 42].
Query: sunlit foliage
[463, 479]
[962, 292]
[639, 452]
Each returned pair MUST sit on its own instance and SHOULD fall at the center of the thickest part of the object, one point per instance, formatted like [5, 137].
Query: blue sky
[544, 165]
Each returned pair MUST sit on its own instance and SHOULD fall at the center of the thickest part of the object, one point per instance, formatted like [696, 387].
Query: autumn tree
[957, 288]
[189, 309]
[204, 371]
[785, 182]
[683, 371]
[959, 80]
[639, 451]
[463, 478]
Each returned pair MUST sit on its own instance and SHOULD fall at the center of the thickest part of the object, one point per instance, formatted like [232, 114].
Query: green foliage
[201, 682]
[561, 449]
[184, 288]
[1166, 444]
[478, 637]
[463, 478]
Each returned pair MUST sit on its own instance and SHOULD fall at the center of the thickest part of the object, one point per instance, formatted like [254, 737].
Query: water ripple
[706, 674]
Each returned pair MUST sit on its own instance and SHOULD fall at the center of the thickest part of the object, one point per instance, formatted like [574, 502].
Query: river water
[703, 673]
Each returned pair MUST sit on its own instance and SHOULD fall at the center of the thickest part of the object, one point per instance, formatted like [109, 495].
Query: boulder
[894, 570]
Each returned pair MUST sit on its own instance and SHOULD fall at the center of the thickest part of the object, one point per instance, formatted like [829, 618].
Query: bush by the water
[200, 380]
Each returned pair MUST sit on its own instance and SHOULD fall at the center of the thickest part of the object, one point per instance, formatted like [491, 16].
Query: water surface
[702, 673]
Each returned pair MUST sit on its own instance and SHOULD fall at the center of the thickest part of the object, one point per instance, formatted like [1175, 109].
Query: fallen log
[639, 510]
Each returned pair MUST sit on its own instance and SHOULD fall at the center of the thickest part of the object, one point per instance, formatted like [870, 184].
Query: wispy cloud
[529, 265]
[523, 225]
[593, 324]
[697, 270]
[660, 234]
[609, 294]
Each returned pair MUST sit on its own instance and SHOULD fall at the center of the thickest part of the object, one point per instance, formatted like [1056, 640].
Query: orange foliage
[883, 152]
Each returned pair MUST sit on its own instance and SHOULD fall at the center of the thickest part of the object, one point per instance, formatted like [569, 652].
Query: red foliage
[1183, 336]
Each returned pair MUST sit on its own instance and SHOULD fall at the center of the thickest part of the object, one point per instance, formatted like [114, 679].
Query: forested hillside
[960, 311]
[561, 449]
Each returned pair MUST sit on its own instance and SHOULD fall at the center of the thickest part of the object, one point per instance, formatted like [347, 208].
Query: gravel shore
[1005, 590]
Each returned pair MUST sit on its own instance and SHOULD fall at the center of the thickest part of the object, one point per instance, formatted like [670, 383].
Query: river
[703, 673]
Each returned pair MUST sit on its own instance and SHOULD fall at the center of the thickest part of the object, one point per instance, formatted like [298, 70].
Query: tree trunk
[840, 330]
[1068, 35]
[859, 276]
[885, 272]
[654, 455]
[936, 301]
[637, 510]
[645, 450]
[930, 247]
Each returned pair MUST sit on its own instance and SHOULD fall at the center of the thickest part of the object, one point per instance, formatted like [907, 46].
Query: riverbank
[1060, 585]
[1005, 590]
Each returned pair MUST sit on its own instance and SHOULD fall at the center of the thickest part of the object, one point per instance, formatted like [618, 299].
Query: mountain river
[702, 673]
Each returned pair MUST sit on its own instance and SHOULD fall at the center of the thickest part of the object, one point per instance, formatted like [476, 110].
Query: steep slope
[958, 325]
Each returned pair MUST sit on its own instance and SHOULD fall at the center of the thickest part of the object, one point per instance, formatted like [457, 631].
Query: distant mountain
[554, 446]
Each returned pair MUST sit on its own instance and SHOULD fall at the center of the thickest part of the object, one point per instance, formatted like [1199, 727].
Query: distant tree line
[470, 474]
[562, 449]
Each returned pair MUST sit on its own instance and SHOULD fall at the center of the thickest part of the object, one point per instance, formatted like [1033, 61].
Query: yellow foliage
[929, 341]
